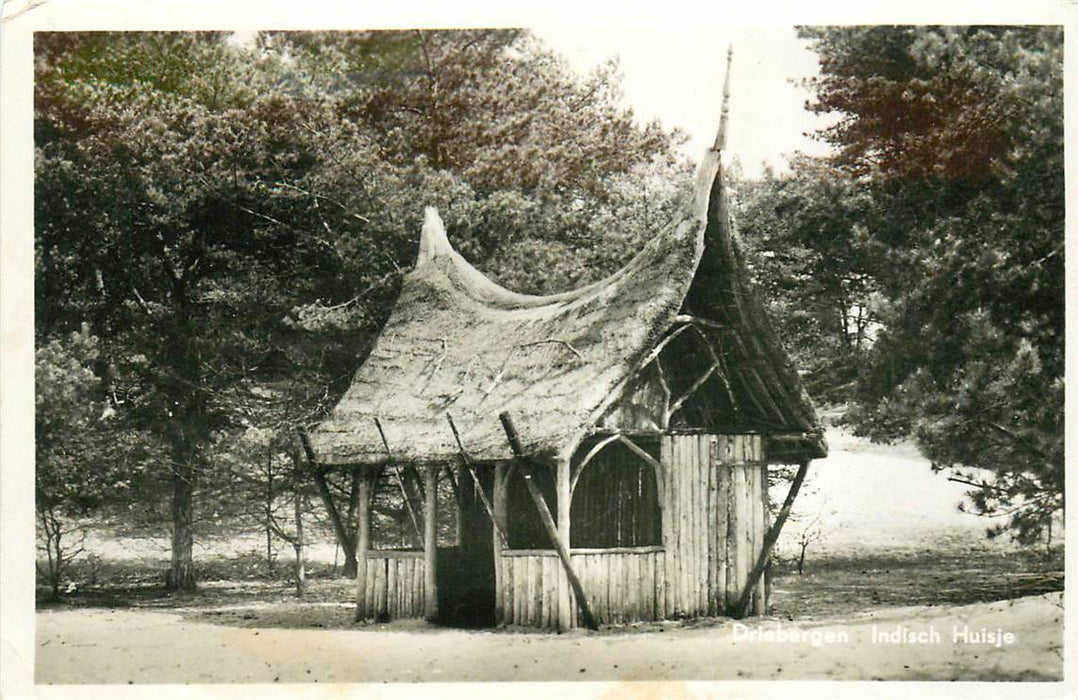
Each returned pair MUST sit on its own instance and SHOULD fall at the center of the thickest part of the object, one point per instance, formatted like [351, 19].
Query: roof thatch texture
[458, 343]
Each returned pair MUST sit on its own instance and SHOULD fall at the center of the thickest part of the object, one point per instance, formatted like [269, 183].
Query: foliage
[72, 423]
[956, 133]
[232, 222]
[815, 263]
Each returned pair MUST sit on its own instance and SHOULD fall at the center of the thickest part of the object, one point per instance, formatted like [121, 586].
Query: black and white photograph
[424, 353]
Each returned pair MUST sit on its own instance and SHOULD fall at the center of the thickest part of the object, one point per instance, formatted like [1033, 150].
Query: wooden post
[430, 540]
[501, 497]
[565, 496]
[364, 598]
[548, 524]
[769, 541]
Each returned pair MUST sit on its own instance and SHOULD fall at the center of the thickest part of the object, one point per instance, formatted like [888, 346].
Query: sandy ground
[863, 499]
[122, 646]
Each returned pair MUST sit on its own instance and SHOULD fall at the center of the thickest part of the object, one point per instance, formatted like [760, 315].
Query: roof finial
[720, 138]
[433, 241]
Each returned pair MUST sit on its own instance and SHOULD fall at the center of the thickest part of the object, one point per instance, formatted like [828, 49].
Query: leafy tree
[957, 133]
[153, 151]
[523, 158]
[232, 221]
[815, 262]
[73, 420]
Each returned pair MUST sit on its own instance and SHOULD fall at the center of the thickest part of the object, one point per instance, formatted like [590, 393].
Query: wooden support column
[463, 484]
[364, 598]
[501, 498]
[430, 540]
[562, 485]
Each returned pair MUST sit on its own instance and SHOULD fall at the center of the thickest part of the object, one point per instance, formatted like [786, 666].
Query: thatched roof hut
[562, 364]
[666, 377]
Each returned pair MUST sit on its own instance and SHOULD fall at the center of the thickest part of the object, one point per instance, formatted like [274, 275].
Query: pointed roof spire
[433, 241]
[720, 138]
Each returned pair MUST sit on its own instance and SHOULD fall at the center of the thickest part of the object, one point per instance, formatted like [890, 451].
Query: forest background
[221, 229]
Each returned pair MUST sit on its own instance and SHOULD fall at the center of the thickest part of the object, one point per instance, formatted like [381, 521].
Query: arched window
[526, 529]
[615, 500]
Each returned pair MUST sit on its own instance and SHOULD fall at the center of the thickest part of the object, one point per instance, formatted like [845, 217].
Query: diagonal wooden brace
[769, 542]
[548, 521]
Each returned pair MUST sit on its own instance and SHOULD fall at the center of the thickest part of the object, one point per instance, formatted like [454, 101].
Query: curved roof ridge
[456, 341]
[434, 245]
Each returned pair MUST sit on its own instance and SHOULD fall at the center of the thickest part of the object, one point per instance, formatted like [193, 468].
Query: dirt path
[121, 646]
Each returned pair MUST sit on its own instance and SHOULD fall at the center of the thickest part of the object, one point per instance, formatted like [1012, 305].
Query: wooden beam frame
[588, 457]
[672, 408]
[662, 344]
[724, 371]
[655, 464]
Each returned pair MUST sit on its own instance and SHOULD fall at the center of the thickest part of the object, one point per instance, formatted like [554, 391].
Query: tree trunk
[269, 511]
[181, 574]
[345, 537]
[301, 569]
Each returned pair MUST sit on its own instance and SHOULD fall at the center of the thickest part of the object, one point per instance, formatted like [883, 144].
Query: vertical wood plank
[508, 572]
[703, 470]
[383, 588]
[702, 530]
[393, 590]
[537, 595]
[761, 533]
[540, 592]
[649, 587]
[673, 580]
[430, 544]
[688, 443]
[518, 577]
[713, 526]
[666, 458]
[499, 506]
[767, 527]
[744, 559]
[363, 538]
[734, 486]
[373, 565]
[525, 569]
[685, 551]
[636, 586]
[562, 481]
[722, 522]
[610, 590]
[574, 613]
[407, 579]
[752, 504]
[551, 592]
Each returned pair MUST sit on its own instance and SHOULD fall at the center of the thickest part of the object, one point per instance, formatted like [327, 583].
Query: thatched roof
[458, 343]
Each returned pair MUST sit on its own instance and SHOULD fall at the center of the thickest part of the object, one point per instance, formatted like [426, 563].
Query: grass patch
[841, 585]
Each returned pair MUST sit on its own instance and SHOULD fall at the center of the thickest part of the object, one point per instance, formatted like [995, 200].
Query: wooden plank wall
[397, 581]
[713, 520]
[623, 585]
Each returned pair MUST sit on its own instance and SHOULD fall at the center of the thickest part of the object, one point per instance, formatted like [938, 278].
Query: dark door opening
[465, 573]
[465, 587]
